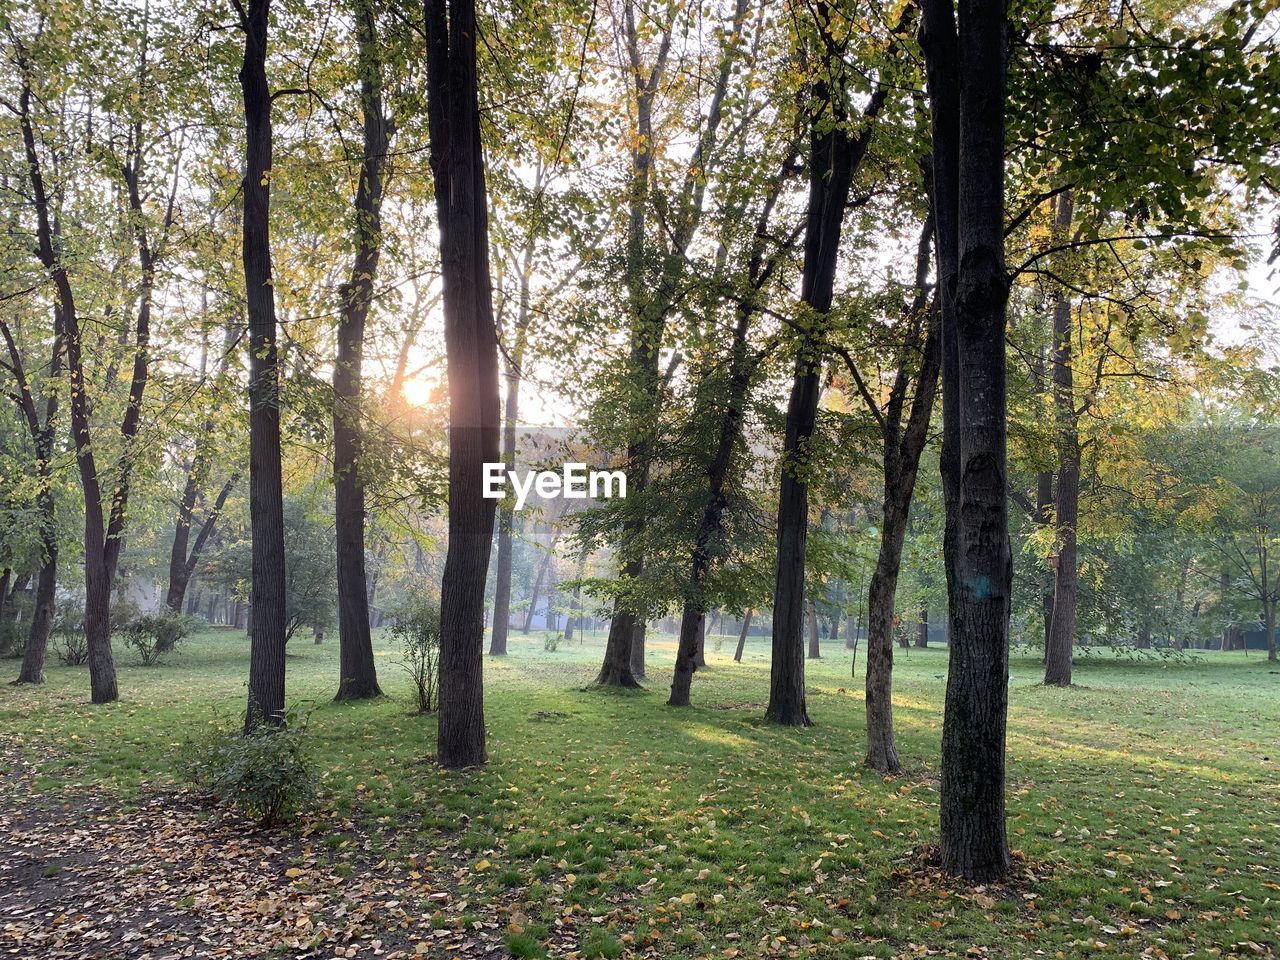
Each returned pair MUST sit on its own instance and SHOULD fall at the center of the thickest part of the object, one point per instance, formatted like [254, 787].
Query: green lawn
[1144, 804]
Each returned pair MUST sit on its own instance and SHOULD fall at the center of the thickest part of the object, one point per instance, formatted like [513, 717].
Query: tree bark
[536, 593]
[267, 616]
[510, 417]
[575, 605]
[1062, 628]
[36, 650]
[965, 71]
[902, 447]
[922, 636]
[182, 564]
[742, 636]
[471, 347]
[741, 368]
[1044, 516]
[357, 676]
[811, 616]
[835, 153]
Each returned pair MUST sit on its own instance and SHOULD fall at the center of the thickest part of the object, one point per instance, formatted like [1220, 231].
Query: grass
[1144, 803]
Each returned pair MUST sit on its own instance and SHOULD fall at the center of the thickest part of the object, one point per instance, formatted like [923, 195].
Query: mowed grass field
[1143, 804]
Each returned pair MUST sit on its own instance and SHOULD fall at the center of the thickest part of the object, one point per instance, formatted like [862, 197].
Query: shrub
[550, 642]
[264, 774]
[152, 635]
[15, 622]
[417, 630]
[70, 641]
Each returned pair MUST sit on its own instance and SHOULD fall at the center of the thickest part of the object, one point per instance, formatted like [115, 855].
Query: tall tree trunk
[704, 628]
[966, 73]
[36, 650]
[357, 674]
[811, 615]
[574, 617]
[882, 749]
[742, 635]
[536, 593]
[1044, 516]
[103, 533]
[902, 448]
[835, 153]
[37, 646]
[922, 636]
[511, 413]
[506, 521]
[787, 702]
[741, 368]
[267, 616]
[182, 564]
[1062, 629]
[471, 346]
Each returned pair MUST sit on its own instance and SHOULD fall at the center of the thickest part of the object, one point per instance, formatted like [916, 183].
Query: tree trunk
[182, 565]
[575, 605]
[36, 651]
[103, 534]
[902, 448]
[266, 499]
[882, 749]
[835, 153]
[1062, 629]
[704, 628]
[537, 589]
[266, 512]
[966, 72]
[357, 674]
[686, 653]
[511, 413]
[811, 615]
[471, 347]
[638, 637]
[1144, 635]
[742, 636]
[37, 647]
[922, 634]
[1044, 516]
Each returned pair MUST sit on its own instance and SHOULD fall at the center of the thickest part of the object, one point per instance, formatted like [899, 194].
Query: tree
[268, 615]
[358, 677]
[837, 145]
[471, 346]
[965, 62]
[902, 445]
[185, 555]
[106, 492]
[1235, 500]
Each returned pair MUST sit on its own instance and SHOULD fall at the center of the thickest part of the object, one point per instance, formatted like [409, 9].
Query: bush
[550, 642]
[70, 641]
[14, 626]
[417, 630]
[264, 774]
[152, 635]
